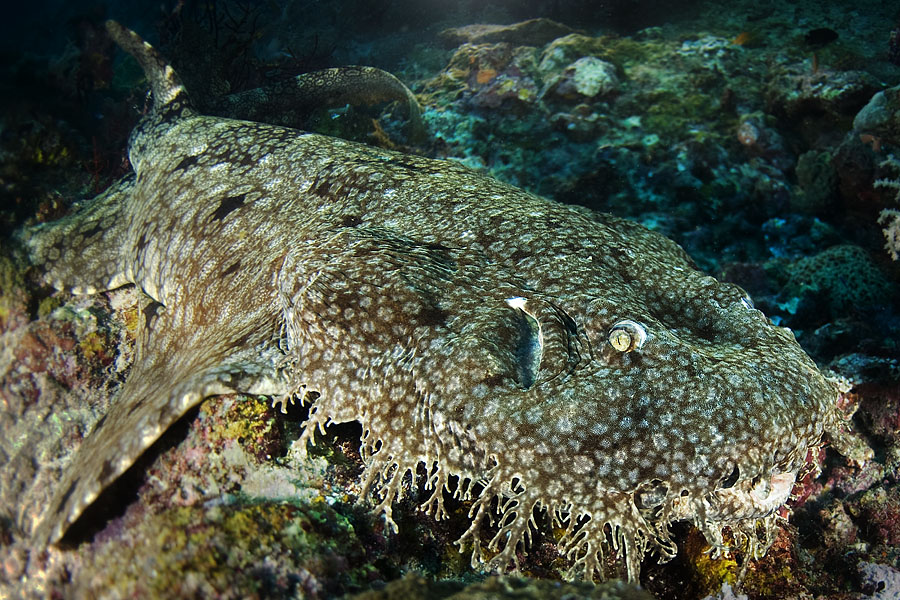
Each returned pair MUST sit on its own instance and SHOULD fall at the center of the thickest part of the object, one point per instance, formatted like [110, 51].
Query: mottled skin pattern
[561, 359]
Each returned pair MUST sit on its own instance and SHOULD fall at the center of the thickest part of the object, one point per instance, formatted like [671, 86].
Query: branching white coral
[891, 163]
[889, 217]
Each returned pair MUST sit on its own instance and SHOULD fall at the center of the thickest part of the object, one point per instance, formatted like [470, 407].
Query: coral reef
[817, 181]
[722, 127]
[880, 117]
[846, 278]
[583, 80]
[502, 588]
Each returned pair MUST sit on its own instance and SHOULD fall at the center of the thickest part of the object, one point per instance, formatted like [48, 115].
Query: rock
[564, 50]
[534, 32]
[880, 118]
[413, 587]
[587, 77]
[829, 95]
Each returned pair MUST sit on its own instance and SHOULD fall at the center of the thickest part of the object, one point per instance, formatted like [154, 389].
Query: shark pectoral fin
[81, 252]
[141, 414]
[173, 372]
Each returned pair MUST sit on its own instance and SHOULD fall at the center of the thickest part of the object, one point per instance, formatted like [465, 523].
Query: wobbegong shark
[537, 354]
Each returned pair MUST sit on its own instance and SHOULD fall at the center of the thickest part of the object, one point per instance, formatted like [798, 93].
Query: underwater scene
[422, 299]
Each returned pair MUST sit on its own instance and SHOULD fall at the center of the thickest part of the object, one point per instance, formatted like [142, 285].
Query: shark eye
[627, 335]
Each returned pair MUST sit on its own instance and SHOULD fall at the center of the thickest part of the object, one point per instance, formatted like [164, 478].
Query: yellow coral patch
[485, 76]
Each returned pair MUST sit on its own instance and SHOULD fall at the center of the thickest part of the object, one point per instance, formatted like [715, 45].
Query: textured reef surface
[562, 390]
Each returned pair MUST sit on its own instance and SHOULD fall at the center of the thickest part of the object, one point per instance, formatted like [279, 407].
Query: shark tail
[165, 84]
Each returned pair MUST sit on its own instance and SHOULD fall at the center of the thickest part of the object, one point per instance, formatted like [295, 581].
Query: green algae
[230, 551]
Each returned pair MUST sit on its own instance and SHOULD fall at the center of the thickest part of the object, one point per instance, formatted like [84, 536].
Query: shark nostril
[731, 479]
